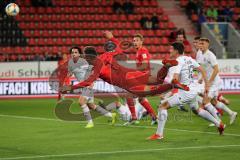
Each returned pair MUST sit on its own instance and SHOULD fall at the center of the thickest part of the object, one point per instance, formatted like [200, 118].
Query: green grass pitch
[30, 130]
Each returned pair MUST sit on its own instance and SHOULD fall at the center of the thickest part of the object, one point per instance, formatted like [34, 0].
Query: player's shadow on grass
[62, 111]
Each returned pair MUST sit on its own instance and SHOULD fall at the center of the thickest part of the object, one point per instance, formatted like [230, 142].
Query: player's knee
[164, 105]
[91, 106]
[82, 100]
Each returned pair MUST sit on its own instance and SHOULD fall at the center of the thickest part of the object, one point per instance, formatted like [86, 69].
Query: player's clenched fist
[108, 34]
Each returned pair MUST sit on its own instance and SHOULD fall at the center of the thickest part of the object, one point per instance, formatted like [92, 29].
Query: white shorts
[184, 97]
[214, 89]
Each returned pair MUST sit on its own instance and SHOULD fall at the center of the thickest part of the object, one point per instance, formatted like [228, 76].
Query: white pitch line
[117, 152]
[119, 125]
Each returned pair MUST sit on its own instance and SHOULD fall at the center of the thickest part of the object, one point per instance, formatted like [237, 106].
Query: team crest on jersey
[144, 55]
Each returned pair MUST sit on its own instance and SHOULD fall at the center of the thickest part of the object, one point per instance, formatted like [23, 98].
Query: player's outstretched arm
[94, 76]
[109, 35]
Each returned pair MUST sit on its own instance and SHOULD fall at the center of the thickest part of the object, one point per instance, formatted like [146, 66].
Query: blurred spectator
[128, 7]
[173, 35]
[228, 13]
[145, 22]
[117, 7]
[47, 56]
[155, 21]
[212, 14]
[221, 16]
[199, 5]
[181, 37]
[191, 7]
[201, 19]
[42, 3]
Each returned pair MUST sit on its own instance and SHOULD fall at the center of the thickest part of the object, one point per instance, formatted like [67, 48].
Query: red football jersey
[143, 55]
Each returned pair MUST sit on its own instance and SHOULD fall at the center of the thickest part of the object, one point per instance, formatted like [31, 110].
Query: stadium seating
[218, 4]
[68, 23]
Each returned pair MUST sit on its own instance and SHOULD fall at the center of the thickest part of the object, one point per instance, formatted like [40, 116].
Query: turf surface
[30, 130]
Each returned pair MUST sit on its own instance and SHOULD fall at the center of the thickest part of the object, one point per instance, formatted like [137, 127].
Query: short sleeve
[195, 63]
[213, 59]
[176, 69]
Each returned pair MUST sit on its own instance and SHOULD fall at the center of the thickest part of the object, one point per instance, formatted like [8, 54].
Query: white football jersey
[81, 70]
[209, 60]
[185, 68]
[199, 57]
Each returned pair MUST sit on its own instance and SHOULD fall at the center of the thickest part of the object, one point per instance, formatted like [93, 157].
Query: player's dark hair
[109, 46]
[138, 35]
[90, 51]
[178, 46]
[197, 38]
[205, 40]
[75, 47]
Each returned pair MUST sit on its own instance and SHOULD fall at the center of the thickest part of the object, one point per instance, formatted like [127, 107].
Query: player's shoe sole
[233, 117]
[178, 85]
[169, 62]
[155, 137]
[89, 125]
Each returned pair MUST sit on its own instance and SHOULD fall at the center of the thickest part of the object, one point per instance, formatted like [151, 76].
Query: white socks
[206, 115]
[212, 110]
[162, 118]
[222, 106]
[87, 113]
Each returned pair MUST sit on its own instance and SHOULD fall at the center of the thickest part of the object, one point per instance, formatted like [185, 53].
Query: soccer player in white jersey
[184, 73]
[80, 68]
[209, 62]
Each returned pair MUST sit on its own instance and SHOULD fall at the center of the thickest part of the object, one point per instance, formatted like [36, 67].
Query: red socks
[131, 107]
[144, 102]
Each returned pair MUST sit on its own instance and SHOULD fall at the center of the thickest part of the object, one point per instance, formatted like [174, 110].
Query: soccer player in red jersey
[135, 82]
[142, 64]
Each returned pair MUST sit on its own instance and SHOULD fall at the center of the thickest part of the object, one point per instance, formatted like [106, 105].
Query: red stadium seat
[164, 41]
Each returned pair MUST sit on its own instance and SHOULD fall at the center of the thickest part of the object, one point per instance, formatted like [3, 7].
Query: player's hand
[108, 34]
[65, 88]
